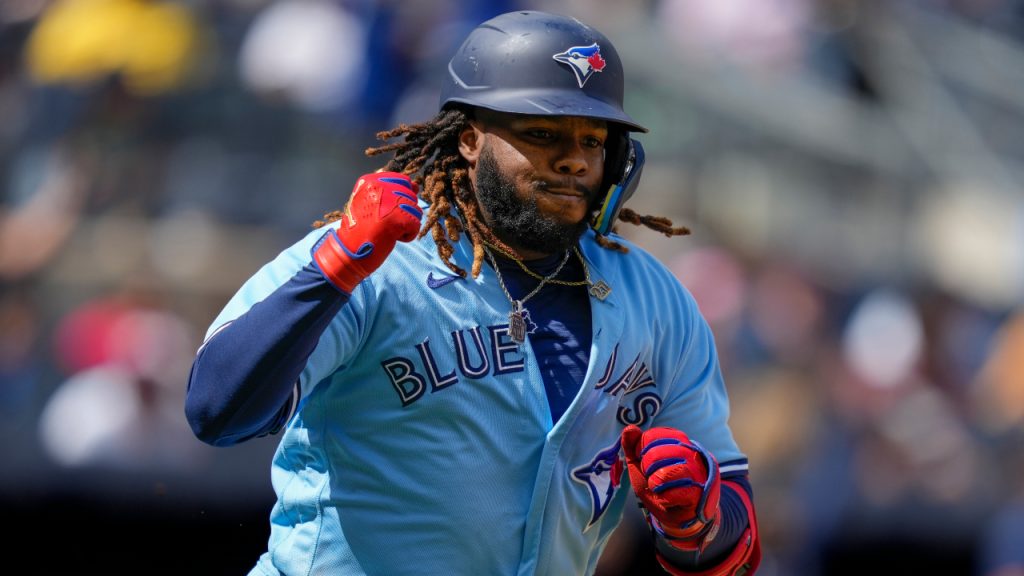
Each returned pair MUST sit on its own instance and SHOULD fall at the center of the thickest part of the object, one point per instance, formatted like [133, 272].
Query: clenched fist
[677, 481]
[382, 210]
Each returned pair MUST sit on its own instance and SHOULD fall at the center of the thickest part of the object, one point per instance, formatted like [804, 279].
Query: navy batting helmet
[531, 62]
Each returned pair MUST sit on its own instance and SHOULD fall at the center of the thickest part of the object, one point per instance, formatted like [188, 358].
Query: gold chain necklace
[599, 289]
[525, 268]
[517, 317]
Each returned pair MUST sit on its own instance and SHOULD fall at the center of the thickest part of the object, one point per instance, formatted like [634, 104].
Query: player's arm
[244, 379]
[703, 525]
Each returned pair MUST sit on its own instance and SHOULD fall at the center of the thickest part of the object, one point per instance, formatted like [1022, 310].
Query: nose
[572, 161]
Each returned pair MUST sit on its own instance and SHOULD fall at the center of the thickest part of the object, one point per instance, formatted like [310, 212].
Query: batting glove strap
[695, 542]
[744, 558]
[330, 257]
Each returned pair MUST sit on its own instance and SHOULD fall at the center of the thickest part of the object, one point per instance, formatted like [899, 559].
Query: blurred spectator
[324, 65]
[884, 340]
[151, 45]
[121, 405]
[897, 481]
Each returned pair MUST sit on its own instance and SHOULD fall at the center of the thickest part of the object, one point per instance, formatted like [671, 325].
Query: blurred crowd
[852, 172]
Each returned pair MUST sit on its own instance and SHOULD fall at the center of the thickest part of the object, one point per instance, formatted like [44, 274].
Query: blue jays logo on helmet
[602, 476]
[584, 61]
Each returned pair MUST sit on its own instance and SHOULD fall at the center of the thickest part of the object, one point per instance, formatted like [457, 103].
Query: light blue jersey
[423, 442]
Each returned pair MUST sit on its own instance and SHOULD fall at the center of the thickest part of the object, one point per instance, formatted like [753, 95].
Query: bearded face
[536, 178]
[518, 219]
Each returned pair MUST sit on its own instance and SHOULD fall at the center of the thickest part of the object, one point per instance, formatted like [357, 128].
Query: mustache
[569, 184]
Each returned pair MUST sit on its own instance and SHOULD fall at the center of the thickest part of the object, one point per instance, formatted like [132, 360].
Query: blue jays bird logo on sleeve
[584, 61]
[601, 476]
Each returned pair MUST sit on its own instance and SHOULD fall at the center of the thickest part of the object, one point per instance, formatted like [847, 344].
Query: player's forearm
[734, 523]
[243, 378]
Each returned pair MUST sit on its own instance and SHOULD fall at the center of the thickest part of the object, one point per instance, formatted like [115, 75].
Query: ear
[471, 140]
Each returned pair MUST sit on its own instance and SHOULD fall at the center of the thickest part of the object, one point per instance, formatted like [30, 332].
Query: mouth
[563, 192]
[572, 191]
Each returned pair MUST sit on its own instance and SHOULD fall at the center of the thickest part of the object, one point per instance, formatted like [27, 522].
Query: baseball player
[469, 369]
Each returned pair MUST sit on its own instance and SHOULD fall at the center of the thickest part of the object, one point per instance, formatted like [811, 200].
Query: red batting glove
[381, 211]
[677, 482]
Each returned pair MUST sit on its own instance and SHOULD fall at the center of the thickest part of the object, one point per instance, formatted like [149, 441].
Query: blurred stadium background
[852, 171]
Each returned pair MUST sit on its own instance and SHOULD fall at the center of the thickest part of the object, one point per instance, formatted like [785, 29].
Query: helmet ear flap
[616, 152]
[624, 161]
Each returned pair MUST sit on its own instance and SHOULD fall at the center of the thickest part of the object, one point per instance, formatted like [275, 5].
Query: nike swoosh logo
[436, 283]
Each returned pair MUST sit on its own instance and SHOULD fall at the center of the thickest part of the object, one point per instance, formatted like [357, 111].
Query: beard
[520, 222]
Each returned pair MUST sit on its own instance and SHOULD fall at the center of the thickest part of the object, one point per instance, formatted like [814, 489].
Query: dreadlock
[444, 182]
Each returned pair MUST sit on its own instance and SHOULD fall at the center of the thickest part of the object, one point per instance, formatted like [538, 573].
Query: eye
[593, 142]
[540, 134]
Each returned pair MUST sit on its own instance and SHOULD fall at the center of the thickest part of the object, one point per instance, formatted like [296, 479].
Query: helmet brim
[549, 102]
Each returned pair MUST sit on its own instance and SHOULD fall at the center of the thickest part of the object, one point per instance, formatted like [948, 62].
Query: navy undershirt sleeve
[242, 381]
[734, 523]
